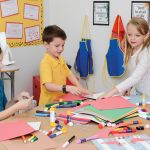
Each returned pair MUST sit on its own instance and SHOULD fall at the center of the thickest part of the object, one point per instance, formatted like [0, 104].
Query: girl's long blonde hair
[143, 28]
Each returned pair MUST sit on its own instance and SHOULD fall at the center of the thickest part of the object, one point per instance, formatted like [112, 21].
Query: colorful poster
[31, 12]
[17, 17]
[32, 33]
[9, 8]
[14, 30]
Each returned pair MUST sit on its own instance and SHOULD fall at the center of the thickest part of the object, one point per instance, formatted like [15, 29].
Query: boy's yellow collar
[54, 61]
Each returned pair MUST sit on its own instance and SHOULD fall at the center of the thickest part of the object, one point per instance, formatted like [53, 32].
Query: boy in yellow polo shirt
[53, 69]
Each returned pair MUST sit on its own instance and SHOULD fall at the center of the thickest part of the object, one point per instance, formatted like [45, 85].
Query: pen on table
[68, 142]
[124, 131]
[42, 112]
[42, 115]
[87, 139]
[66, 106]
[24, 139]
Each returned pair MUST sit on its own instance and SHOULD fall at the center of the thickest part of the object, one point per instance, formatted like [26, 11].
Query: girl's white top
[139, 73]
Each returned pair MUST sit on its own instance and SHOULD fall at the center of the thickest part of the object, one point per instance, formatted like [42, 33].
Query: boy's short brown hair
[51, 32]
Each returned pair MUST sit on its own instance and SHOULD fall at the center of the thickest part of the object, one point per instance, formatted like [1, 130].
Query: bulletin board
[22, 21]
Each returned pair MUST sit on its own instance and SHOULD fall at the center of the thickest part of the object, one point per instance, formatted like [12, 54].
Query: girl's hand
[23, 95]
[24, 104]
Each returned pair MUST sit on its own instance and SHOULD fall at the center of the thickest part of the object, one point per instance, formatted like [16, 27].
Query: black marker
[68, 142]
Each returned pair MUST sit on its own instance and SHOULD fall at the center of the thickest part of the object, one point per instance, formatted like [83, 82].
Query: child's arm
[74, 80]
[52, 87]
[110, 93]
[21, 105]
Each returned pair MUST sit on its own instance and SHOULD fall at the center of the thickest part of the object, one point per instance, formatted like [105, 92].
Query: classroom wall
[69, 14]
[28, 59]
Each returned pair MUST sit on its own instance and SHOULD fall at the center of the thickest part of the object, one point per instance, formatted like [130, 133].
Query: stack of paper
[110, 109]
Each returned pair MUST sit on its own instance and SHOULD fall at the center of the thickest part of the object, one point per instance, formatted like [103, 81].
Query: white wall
[69, 14]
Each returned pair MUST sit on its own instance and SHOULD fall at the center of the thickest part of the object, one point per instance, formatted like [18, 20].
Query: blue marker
[66, 106]
[42, 115]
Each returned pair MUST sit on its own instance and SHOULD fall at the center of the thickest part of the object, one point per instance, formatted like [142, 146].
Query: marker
[42, 115]
[140, 128]
[132, 123]
[68, 116]
[124, 131]
[51, 131]
[24, 139]
[66, 106]
[87, 139]
[29, 139]
[143, 111]
[59, 127]
[68, 142]
[61, 102]
[42, 112]
[34, 139]
[143, 101]
[49, 105]
[64, 130]
[145, 117]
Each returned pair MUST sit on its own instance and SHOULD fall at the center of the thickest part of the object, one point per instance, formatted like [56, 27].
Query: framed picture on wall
[100, 12]
[141, 9]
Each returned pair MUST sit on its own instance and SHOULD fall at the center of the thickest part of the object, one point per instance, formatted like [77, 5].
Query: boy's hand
[76, 90]
[24, 104]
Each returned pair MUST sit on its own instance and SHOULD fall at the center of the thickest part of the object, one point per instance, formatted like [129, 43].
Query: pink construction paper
[71, 97]
[112, 103]
[10, 130]
[43, 143]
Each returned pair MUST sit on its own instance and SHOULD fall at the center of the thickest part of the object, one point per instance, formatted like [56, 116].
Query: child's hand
[76, 90]
[73, 90]
[23, 95]
[24, 104]
[84, 91]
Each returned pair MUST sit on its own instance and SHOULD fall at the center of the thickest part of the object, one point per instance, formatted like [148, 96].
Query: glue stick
[52, 117]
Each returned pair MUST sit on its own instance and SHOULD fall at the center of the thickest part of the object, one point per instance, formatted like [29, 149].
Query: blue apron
[84, 63]
[115, 59]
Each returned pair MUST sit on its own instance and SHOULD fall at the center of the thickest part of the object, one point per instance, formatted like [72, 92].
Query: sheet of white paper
[9, 8]
[35, 125]
[94, 96]
[31, 12]
[14, 30]
[32, 33]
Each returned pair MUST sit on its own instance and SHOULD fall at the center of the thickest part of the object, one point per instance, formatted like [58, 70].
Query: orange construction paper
[10, 130]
